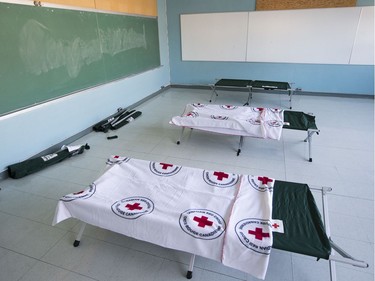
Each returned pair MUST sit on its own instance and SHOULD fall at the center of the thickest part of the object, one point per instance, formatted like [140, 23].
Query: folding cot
[245, 121]
[251, 85]
[33, 165]
[232, 218]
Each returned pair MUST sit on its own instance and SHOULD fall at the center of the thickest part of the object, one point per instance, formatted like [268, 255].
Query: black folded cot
[29, 166]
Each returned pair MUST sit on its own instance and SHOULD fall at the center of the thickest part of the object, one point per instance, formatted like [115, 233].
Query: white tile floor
[343, 158]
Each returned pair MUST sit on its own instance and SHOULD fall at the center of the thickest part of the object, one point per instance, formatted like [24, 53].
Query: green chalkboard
[47, 53]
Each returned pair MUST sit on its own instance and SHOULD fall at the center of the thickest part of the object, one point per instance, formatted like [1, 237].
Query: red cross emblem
[265, 180]
[203, 221]
[165, 166]
[221, 175]
[133, 207]
[275, 225]
[259, 234]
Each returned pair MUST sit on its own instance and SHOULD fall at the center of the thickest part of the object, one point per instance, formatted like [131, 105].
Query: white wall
[28, 132]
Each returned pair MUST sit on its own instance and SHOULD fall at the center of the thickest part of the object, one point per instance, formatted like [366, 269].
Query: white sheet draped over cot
[215, 214]
[256, 122]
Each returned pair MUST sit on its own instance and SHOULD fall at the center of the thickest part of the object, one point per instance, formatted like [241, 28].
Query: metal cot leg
[332, 264]
[345, 257]
[291, 92]
[342, 256]
[189, 274]
[79, 236]
[309, 137]
[213, 92]
[249, 97]
[309, 140]
[240, 145]
[181, 134]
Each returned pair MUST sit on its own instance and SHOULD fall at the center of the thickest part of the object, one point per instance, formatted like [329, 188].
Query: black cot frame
[250, 86]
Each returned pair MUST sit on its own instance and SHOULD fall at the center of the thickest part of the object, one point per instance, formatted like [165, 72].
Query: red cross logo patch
[277, 226]
[133, 207]
[254, 121]
[198, 105]
[219, 117]
[164, 169]
[275, 123]
[255, 234]
[228, 107]
[116, 159]
[192, 114]
[203, 221]
[258, 233]
[261, 183]
[202, 224]
[83, 194]
[265, 180]
[220, 179]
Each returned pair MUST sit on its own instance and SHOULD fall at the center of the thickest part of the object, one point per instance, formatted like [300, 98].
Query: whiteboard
[320, 36]
[323, 36]
[363, 49]
[214, 37]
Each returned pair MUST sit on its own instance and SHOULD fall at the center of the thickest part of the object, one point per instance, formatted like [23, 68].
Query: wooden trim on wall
[302, 4]
[75, 3]
[138, 7]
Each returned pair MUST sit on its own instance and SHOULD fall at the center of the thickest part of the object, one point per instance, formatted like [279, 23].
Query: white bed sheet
[218, 215]
[247, 121]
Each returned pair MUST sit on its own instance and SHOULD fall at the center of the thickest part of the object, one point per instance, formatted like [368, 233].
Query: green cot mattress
[304, 232]
[270, 85]
[233, 83]
[299, 120]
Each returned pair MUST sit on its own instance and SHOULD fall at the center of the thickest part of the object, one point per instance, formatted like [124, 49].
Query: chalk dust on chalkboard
[41, 51]
[52, 53]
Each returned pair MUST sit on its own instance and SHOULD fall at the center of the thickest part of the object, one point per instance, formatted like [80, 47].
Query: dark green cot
[296, 120]
[305, 231]
[252, 85]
